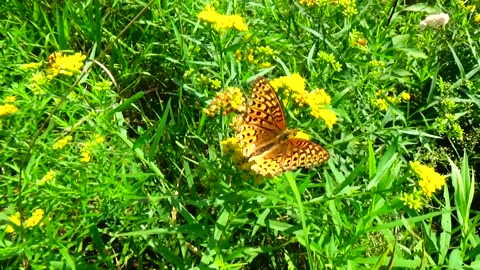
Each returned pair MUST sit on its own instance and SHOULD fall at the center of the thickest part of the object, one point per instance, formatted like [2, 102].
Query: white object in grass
[435, 20]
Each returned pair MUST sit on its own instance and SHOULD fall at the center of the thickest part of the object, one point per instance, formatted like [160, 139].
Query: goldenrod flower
[477, 18]
[216, 83]
[265, 65]
[238, 55]
[302, 135]
[328, 116]
[294, 86]
[15, 219]
[102, 85]
[430, 181]
[471, 8]
[7, 109]
[228, 100]
[99, 139]
[38, 80]
[10, 99]
[222, 22]
[30, 66]
[435, 21]
[381, 104]
[47, 178]
[349, 8]
[35, 218]
[330, 60]
[319, 96]
[66, 65]
[404, 96]
[62, 142]
[86, 156]
[413, 200]
[232, 148]
[308, 3]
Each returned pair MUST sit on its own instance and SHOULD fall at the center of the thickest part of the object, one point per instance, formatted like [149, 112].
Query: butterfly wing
[264, 120]
[290, 155]
[303, 153]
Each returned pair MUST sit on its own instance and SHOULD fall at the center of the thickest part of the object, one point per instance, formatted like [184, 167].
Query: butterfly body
[266, 139]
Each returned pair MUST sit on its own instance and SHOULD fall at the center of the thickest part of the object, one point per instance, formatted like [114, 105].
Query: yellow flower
[328, 116]
[238, 55]
[232, 148]
[308, 3]
[86, 156]
[66, 65]
[7, 109]
[430, 181]
[330, 59]
[47, 178]
[15, 219]
[62, 142]
[477, 18]
[221, 22]
[102, 85]
[10, 99]
[35, 218]
[294, 86]
[302, 135]
[412, 200]
[99, 139]
[381, 104]
[471, 8]
[319, 96]
[228, 100]
[265, 65]
[30, 66]
[38, 80]
[405, 96]
[216, 84]
[348, 6]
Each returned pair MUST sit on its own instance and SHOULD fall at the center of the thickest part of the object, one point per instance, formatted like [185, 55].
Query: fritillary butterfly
[266, 139]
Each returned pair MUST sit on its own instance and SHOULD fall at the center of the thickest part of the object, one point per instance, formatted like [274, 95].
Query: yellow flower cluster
[232, 148]
[294, 87]
[67, 65]
[413, 200]
[86, 152]
[15, 219]
[30, 66]
[317, 99]
[382, 104]
[62, 142]
[35, 218]
[31, 222]
[477, 18]
[430, 181]
[330, 60]
[47, 178]
[222, 22]
[203, 80]
[348, 6]
[261, 56]
[228, 100]
[7, 109]
[38, 81]
[302, 135]
[103, 85]
[357, 40]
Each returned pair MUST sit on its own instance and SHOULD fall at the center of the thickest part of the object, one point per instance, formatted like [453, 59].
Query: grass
[115, 163]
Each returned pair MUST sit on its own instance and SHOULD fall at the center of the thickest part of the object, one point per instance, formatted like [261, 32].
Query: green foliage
[117, 165]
